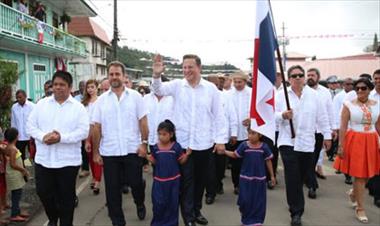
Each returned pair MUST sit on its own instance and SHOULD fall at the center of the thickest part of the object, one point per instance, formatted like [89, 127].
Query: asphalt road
[330, 208]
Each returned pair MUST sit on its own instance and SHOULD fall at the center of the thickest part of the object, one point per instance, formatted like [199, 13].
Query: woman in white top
[359, 154]
[90, 95]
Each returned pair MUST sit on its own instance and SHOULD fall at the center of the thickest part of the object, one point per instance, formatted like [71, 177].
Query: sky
[223, 31]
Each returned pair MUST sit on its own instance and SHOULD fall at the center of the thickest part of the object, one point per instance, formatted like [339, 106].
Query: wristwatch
[144, 142]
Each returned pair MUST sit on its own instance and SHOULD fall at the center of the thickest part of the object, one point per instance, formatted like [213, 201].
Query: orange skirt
[361, 155]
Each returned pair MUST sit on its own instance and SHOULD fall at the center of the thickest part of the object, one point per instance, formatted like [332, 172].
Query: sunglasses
[362, 88]
[297, 75]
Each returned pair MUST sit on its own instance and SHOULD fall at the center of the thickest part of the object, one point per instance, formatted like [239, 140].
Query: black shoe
[201, 220]
[141, 212]
[312, 193]
[236, 190]
[270, 185]
[320, 176]
[76, 201]
[190, 224]
[296, 221]
[331, 158]
[220, 191]
[96, 191]
[376, 202]
[52, 223]
[338, 172]
[125, 189]
[210, 200]
[348, 180]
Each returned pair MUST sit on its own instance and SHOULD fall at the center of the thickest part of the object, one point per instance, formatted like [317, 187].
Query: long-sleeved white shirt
[19, 118]
[158, 111]
[375, 95]
[230, 114]
[70, 119]
[338, 105]
[327, 103]
[195, 112]
[241, 101]
[119, 120]
[307, 112]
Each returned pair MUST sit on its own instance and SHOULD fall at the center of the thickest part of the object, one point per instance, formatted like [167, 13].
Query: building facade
[39, 47]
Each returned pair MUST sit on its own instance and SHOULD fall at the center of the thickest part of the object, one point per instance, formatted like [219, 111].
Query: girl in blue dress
[256, 156]
[166, 156]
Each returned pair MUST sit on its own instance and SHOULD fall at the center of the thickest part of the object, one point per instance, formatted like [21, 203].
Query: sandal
[363, 219]
[351, 198]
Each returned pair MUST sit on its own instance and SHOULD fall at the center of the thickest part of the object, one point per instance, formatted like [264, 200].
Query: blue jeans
[16, 197]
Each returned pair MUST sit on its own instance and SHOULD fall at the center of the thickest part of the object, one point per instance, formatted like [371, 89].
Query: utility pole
[115, 30]
[284, 42]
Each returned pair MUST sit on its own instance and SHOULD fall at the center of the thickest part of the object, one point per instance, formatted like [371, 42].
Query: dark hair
[377, 72]
[295, 67]
[116, 64]
[10, 134]
[168, 126]
[366, 81]
[367, 76]
[193, 56]
[86, 97]
[66, 76]
[315, 70]
[21, 91]
[48, 83]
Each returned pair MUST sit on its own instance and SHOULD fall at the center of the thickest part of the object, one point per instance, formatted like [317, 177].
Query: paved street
[330, 208]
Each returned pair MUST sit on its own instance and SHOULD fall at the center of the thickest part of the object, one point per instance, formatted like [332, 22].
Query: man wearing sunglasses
[297, 153]
[313, 77]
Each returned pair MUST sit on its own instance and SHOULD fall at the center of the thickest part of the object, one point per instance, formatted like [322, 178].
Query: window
[95, 48]
[102, 52]
[39, 67]
[55, 20]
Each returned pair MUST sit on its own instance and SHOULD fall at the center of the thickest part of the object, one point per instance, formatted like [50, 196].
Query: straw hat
[240, 75]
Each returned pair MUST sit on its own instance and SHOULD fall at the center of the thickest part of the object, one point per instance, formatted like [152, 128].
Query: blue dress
[166, 185]
[252, 183]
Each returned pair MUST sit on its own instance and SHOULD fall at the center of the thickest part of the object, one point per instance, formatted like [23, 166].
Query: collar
[70, 99]
[202, 82]
[126, 91]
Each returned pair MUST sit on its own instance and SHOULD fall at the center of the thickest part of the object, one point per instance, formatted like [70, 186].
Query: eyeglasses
[349, 84]
[297, 75]
[362, 88]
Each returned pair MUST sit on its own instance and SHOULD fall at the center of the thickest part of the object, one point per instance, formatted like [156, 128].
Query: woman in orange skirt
[359, 154]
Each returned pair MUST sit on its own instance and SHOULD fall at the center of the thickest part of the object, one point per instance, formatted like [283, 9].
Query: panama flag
[264, 73]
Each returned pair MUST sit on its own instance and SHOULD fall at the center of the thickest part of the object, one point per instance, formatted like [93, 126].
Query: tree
[8, 77]
[373, 47]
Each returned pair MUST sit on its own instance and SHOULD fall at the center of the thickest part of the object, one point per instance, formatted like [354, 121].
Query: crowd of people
[191, 130]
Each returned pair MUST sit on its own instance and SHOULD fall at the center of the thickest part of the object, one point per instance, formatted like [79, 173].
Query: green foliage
[142, 60]
[8, 76]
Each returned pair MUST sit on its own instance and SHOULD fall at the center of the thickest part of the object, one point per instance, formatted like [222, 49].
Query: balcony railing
[22, 26]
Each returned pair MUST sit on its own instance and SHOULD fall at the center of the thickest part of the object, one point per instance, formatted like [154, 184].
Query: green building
[40, 47]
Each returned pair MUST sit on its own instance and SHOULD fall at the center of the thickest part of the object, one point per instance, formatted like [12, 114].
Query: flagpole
[282, 73]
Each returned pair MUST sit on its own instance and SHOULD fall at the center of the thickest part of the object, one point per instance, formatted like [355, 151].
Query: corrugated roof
[84, 26]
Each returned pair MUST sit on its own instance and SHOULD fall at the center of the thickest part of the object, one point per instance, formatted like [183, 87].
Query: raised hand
[158, 66]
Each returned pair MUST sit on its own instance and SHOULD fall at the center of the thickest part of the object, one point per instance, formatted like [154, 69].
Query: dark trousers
[236, 165]
[311, 181]
[21, 145]
[115, 168]
[193, 183]
[274, 150]
[85, 162]
[216, 171]
[16, 197]
[334, 148]
[56, 189]
[374, 187]
[296, 169]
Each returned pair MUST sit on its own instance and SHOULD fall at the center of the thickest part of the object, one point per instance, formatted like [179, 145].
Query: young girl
[89, 97]
[15, 174]
[166, 175]
[252, 184]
